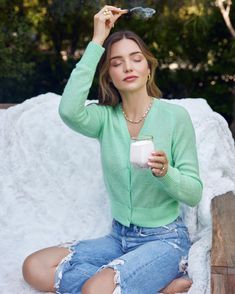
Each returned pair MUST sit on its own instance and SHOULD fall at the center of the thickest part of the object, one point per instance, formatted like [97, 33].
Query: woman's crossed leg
[151, 267]
[39, 269]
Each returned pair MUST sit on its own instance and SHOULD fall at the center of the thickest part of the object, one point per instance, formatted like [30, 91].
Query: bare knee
[102, 282]
[35, 274]
[29, 266]
[39, 268]
[89, 286]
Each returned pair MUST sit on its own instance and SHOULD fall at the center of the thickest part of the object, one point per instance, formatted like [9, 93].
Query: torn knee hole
[116, 262]
[113, 264]
[59, 268]
[183, 264]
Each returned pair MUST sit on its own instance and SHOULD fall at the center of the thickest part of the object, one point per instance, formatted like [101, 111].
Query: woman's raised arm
[88, 120]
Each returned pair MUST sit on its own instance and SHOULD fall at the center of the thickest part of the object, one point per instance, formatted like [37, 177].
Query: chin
[132, 88]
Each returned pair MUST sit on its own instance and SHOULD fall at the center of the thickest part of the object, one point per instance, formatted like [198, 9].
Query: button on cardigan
[136, 195]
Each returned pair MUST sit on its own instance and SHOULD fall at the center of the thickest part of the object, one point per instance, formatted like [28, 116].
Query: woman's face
[128, 67]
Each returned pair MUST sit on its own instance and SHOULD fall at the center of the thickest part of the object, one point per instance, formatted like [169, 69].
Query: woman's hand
[158, 163]
[104, 21]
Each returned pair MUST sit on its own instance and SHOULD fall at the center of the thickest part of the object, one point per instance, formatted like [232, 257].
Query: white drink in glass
[140, 150]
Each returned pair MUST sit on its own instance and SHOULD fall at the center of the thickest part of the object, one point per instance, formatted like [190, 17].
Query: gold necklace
[142, 117]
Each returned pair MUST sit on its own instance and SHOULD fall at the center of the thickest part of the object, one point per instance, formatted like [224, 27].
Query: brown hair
[108, 94]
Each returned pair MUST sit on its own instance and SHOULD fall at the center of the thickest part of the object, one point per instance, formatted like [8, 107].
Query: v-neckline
[124, 122]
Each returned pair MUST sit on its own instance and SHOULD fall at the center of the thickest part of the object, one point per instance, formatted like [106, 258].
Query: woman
[147, 247]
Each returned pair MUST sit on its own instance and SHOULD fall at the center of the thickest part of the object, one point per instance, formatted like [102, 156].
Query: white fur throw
[52, 191]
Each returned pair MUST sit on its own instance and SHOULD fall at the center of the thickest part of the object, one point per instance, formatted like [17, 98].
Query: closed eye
[137, 57]
[117, 64]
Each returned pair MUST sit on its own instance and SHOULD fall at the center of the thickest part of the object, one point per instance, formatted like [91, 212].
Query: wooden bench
[6, 105]
[223, 243]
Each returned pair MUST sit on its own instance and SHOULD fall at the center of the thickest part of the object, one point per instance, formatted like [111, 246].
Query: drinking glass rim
[142, 138]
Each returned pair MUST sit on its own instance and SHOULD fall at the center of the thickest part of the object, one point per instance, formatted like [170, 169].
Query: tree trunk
[225, 10]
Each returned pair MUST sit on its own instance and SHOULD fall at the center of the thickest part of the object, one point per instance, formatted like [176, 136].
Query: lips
[130, 78]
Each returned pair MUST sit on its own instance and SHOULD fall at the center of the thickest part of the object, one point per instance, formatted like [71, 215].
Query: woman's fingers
[158, 163]
[117, 15]
[115, 18]
[113, 9]
[111, 18]
[159, 153]
[158, 156]
[104, 20]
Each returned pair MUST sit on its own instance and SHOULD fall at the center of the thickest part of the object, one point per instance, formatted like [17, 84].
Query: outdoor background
[194, 41]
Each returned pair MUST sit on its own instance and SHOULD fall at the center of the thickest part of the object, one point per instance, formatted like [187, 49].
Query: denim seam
[133, 274]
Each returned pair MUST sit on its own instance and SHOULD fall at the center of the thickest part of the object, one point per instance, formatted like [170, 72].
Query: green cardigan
[136, 195]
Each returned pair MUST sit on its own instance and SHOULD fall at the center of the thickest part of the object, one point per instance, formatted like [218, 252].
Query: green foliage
[41, 41]
[15, 39]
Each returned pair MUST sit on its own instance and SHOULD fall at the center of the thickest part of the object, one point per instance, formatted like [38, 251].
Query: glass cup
[140, 150]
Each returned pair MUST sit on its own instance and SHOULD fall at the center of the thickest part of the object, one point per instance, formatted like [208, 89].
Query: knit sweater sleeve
[87, 120]
[182, 180]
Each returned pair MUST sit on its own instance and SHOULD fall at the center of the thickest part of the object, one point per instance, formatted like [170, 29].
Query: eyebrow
[129, 55]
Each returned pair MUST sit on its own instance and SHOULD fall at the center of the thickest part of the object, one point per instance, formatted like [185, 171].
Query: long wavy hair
[108, 93]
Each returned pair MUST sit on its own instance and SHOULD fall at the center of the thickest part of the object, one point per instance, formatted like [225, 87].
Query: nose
[127, 66]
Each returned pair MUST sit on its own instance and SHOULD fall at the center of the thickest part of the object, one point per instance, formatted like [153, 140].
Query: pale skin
[39, 268]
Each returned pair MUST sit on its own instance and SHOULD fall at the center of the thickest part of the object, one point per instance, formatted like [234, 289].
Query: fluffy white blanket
[52, 191]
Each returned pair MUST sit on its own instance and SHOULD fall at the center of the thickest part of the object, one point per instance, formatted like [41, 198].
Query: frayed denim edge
[60, 266]
[113, 264]
[183, 265]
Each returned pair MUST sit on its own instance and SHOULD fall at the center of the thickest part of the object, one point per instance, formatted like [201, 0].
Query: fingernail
[151, 157]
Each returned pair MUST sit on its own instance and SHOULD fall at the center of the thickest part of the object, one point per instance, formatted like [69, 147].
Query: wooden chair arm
[223, 244]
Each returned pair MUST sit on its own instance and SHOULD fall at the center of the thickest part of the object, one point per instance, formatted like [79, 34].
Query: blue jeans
[145, 260]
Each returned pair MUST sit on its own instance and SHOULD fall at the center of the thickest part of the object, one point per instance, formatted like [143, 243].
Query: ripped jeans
[145, 260]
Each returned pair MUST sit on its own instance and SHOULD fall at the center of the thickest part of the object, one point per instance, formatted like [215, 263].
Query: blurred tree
[16, 68]
[225, 8]
[192, 39]
[196, 52]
